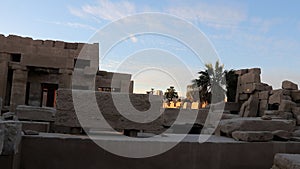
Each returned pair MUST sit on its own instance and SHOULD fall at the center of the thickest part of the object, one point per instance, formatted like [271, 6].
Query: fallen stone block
[281, 135]
[255, 124]
[252, 136]
[286, 105]
[296, 133]
[288, 85]
[12, 137]
[35, 113]
[264, 95]
[250, 78]
[250, 107]
[263, 105]
[278, 95]
[295, 94]
[287, 161]
[243, 97]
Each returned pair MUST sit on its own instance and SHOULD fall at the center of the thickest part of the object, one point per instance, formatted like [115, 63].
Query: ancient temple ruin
[31, 71]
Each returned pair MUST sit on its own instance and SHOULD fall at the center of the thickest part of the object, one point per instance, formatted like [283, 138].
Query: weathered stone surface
[12, 137]
[263, 105]
[35, 113]
[288, 85]
[264, 95]
[252, 136]
[250, 78]
[281, 135]
[296, 113]
[286, 105]
[251, 87]
[255, 70]
[287, 161]
[255, 124]
[118, 118]
[243, 97]
[295, 94]
[296, 133]
[36, 126]
[250, 107]
[281, 91]
[265, 117]
[241, 71]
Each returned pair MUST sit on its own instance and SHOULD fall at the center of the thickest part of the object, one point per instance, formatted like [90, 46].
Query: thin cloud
[216, 16]
[105, 10]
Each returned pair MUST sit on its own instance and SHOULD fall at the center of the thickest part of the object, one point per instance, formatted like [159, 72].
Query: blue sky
[245, 34]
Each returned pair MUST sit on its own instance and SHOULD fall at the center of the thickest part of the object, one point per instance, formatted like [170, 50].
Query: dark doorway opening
[49, 95]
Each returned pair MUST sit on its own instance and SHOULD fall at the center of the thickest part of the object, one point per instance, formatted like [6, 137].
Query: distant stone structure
[31, 71]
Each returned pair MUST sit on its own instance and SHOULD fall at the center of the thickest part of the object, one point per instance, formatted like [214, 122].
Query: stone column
[3, 73]
[18, 90]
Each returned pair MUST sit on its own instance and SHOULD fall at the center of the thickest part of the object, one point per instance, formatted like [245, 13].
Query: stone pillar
[18, 90]
[3, 77]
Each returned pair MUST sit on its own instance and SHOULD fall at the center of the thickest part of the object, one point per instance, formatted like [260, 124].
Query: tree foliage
[171, 94]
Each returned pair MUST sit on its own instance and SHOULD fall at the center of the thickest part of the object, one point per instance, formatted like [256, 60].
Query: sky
[244, 34]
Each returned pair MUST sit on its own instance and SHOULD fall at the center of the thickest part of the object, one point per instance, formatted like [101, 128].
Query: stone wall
[155, 118]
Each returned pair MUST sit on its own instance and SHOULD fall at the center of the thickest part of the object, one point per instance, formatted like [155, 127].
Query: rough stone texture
[36, 126]
[296, 113]
[288, 85]
[295, 94]
[296, 133]
[264, 95]
[36, 113]
[250, 107]
[252, 136]
[263, 105]
[250, 78]
[286, 161]
[12, 137]
[255, 124]
[255, 70]
[277, 96]
[281, 135]
[286, 105]
[90, 118]
[252, 87]
[243, 97]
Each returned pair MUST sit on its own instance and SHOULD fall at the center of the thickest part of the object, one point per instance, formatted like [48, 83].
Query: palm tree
[170, 95]
[211, 83]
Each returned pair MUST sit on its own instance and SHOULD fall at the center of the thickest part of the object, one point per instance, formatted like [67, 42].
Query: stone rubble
[286, 161]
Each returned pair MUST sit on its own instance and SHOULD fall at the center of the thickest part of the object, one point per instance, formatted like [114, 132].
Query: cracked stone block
[228, 126]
